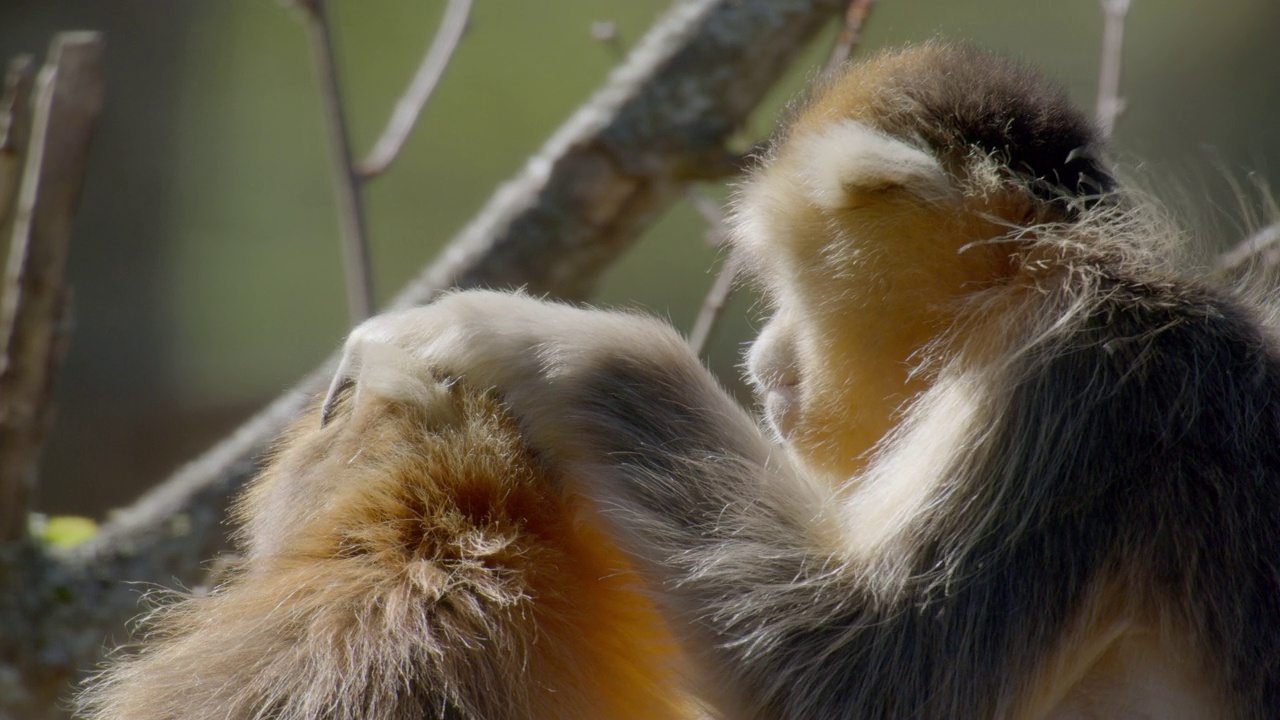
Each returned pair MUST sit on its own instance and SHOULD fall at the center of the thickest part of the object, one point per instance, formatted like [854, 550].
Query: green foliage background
[206, 262]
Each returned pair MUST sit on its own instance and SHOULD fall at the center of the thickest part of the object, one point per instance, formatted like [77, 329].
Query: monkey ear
[848, 164]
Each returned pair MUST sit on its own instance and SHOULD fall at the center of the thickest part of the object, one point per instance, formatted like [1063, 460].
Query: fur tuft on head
[960, 103]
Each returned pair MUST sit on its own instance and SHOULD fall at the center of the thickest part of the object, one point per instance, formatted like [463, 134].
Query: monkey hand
[540, 358]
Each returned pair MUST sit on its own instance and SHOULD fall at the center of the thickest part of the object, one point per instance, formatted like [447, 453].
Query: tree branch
[15, 130]
[597, 184]
[855, 17]
[721, 289]
[67, 101]
[713, 305]
[346, 179]
[1260, 249]
[419, 92]
[1110, 104]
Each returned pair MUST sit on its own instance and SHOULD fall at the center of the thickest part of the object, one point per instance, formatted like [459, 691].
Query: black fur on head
[956, 97]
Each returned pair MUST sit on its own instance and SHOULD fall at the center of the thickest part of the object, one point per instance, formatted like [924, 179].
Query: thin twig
[711, 212]
[15, 132]
[1262, 246]
[855, 16]
[452, 27]
[1110, 104]
[346, 179]
[713, 305]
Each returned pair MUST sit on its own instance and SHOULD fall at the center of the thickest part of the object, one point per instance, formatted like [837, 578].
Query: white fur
[904, 476]
[847, 157]
[507, 342]
[844, 166]
[774, 371]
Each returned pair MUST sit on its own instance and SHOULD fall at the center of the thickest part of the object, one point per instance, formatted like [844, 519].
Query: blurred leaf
[64, 531]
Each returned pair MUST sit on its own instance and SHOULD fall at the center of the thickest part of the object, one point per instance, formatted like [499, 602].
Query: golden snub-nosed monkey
[1014, 466]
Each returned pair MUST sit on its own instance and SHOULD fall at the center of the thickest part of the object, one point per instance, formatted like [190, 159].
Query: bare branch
[711, 212]
[1261, 248]
[67, 101]
[1110, 104]
[855, 16]
[15, 133]
[1259, 251]
[346, 179]
[714, 304]
[419, 92]
[15, 129]
[718, 295]
[15, 104]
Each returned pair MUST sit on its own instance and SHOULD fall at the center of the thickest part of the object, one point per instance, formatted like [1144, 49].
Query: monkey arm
[749, 555]
[760, 569]
[690, 485]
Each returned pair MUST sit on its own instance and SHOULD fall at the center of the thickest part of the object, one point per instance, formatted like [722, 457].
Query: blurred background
[205, 263]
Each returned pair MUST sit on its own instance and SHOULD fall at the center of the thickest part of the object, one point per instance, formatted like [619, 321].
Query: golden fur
[431, 568]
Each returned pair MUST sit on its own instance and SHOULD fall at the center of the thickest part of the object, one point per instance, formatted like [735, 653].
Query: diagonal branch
[717, 299]
[597, 184]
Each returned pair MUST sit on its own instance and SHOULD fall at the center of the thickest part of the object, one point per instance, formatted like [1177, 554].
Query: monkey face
[848, 233]
[863, 244]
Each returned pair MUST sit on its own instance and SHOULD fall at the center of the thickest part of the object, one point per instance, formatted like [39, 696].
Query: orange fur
[434, 568]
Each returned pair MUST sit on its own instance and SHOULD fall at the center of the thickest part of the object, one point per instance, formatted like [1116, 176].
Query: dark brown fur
[958, 100]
